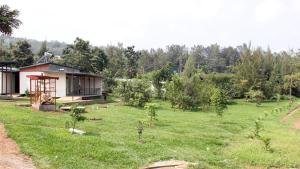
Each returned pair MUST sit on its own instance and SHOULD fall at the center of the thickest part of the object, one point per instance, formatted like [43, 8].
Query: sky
[157, 23]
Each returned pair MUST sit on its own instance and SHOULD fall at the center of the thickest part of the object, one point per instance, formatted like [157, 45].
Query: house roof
[40, 64]
[56, 68]
[7, 63]
[8, 69]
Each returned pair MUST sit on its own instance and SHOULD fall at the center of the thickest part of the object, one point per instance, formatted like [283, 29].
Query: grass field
[197, 137]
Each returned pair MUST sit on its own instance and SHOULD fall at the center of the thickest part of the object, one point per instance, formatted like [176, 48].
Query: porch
[83, 85]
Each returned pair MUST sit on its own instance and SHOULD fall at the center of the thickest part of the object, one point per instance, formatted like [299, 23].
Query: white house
[9, 79]
[71, 82]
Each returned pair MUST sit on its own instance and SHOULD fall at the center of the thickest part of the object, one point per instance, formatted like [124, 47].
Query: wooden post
[54, 93]
[84, 85]
[5, 79]
[89, 85]
[11, 82]
[30, 92]
[2, 79]
[95, 85]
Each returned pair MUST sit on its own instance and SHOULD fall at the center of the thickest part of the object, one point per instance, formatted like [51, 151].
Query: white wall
[10, 82]
[60, 83]
[25, 82]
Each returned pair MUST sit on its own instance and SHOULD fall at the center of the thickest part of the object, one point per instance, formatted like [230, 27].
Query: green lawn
[198, 137]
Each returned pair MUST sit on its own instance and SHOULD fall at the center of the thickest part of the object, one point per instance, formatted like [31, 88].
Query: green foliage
[79, 54]
[256, 96]
[8, 20]
[134, 92]
[189, 68]
[109, 82]
[113, 138]
[27, 93]
[140, 129]
[267, 143]
[258, 128]
[151, 111]
[189, 93]
[132, 61]
[292, 83]
[22, 54]
[76, 116]
[160, 76]
[218, 101]
[223, 81]
[99, 60]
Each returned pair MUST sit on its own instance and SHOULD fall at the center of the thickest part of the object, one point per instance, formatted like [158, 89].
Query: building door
[17, 82]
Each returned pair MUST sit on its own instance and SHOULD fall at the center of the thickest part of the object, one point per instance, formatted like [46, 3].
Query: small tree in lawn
[140, 129]
[218, 101]
[76, 115]
[151, 110]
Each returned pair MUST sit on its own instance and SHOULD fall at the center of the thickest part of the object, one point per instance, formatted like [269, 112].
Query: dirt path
[290, 113]
[10, 156]
[297, 124]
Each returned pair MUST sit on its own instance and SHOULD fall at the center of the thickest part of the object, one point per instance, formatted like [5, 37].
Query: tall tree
[116, 60]
[79, 54]
[132, 61]
[99, 60]
[22, 54]
[8, 20]
[177, 55]
[189, 68]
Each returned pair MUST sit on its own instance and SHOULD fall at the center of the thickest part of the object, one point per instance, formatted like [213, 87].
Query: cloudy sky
[157, 23]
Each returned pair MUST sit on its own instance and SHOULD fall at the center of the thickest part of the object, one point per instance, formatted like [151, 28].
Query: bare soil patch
[10, 156]
[170, 164]
[297, 124]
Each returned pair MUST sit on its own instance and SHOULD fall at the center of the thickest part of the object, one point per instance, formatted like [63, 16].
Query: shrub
[267, 143]
[135, 92]
[27, 93]
[189, 93]
[255, 96]
[151, 110]
[76, 116]
[218, 101]
[258, 128]
[140, 129]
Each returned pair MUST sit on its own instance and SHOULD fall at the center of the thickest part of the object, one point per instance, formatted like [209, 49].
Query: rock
[76, 131]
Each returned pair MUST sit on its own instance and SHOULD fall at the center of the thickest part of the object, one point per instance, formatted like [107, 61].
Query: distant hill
[54, 47]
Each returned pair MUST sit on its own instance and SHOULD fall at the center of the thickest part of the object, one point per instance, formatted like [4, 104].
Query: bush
[27, 93]
[218, 101]
[134, 92]
[255, 96]
[190, 93]
[151, 110]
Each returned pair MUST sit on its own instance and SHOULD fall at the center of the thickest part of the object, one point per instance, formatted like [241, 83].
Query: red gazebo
[43, 92]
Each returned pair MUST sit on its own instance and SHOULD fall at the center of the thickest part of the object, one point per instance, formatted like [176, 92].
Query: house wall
[10, 82]
[60, 83]
[25, 82]
[98, 83]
